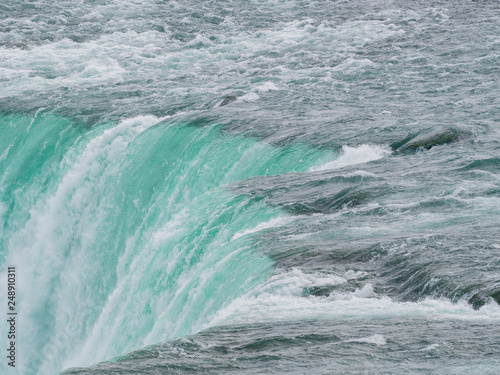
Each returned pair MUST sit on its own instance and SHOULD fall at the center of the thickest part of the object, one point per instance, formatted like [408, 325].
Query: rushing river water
[251, 187]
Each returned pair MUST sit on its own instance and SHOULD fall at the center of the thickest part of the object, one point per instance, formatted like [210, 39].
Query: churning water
[251, 187]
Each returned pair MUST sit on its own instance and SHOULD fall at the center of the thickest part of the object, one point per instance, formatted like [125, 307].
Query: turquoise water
[251, 187]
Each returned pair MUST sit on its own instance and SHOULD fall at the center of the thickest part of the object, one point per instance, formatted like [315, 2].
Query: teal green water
[123, 234]
[251, 187]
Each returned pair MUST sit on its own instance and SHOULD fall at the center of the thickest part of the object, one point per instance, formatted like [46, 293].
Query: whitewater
[251, 187]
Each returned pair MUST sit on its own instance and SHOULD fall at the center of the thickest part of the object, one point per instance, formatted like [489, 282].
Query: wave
[125, 234]
[354, 155]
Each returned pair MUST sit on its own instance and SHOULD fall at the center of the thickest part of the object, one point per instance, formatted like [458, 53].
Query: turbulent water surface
[251, 187]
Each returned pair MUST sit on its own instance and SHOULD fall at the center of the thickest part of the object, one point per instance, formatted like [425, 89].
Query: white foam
[273, 223]
[375, 339]
[5, 153]
[267, 86]
[351, 65]
[104, 69]
[171, 229]
[430, 347]
[355, 155]
[282, 298]
[119, 56]
[66, 221]
[250, 97]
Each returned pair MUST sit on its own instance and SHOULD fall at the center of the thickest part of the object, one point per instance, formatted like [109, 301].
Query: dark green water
[251, 187]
